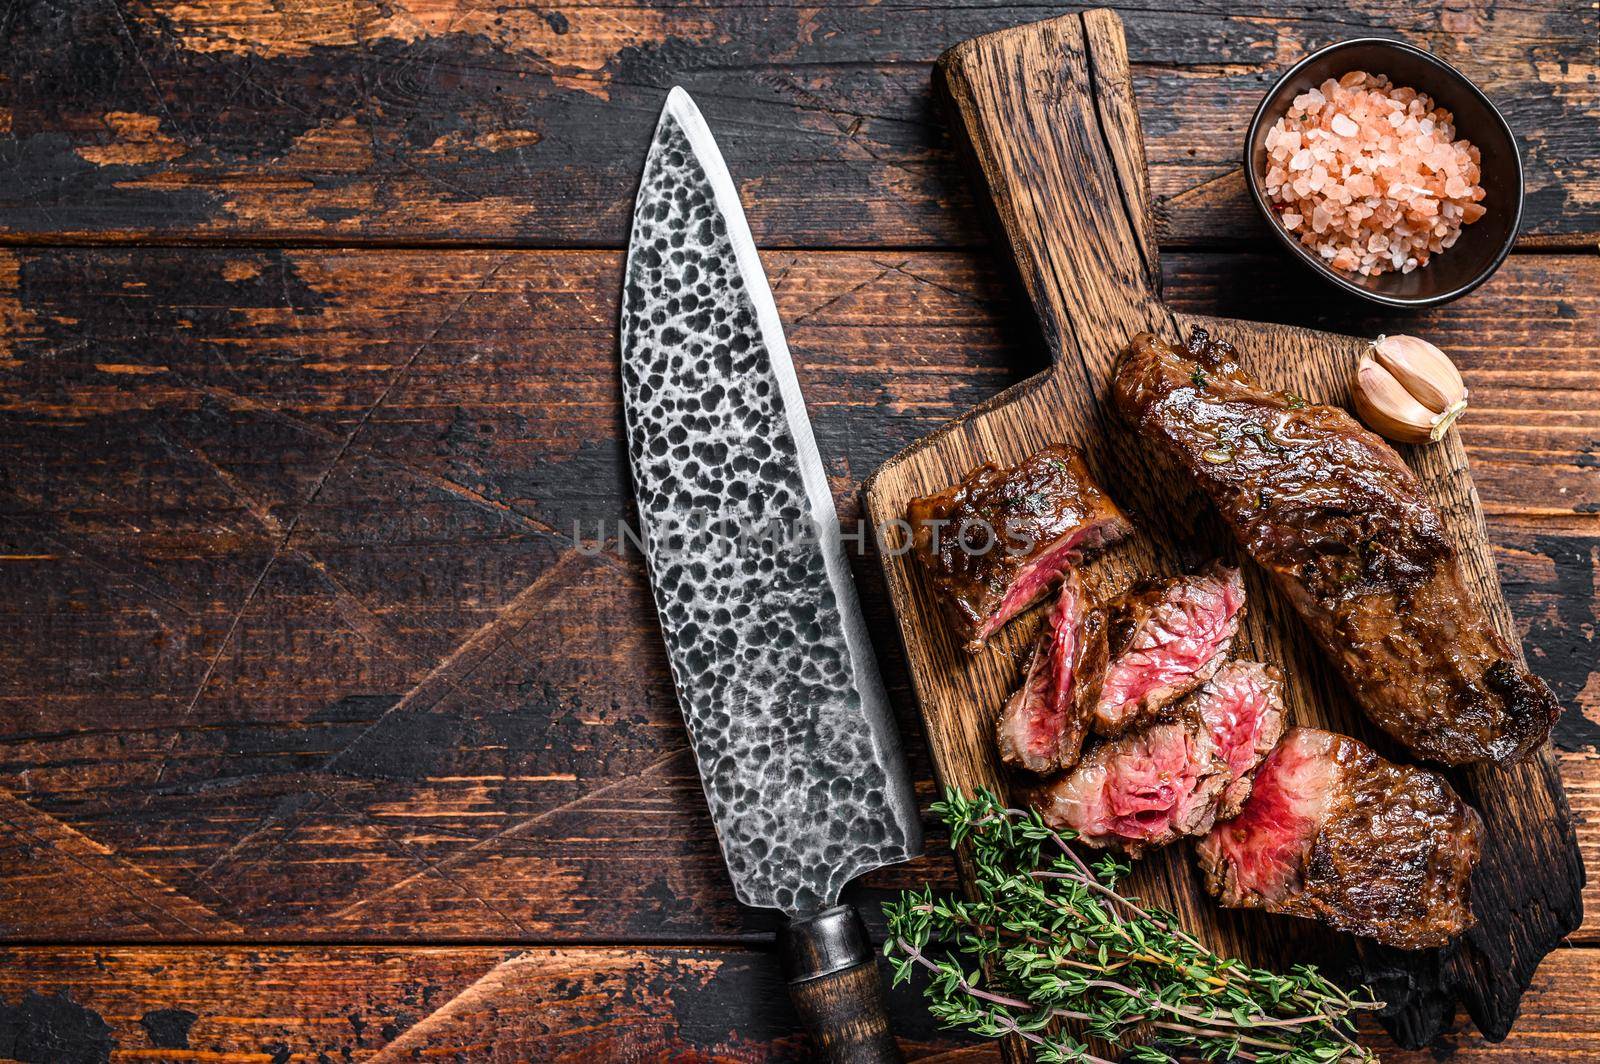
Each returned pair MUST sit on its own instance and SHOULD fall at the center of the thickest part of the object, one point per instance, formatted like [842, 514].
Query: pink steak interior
[1190, 627]
[1144, 790]
[1042, 572]
[1049, 695]
[1236, 704]
[1267, 843]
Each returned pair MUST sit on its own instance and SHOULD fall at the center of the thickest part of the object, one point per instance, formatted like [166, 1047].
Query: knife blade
[791, 729]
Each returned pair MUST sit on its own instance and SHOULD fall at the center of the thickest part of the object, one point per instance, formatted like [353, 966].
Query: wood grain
[308, 1005]
[341, 121]
[386, 1005]
[847, 1017]
[298, 644]
[1050, 119]
[831, 968]
[542, 789]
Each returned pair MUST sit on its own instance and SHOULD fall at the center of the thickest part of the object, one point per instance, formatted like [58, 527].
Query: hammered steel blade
[797, 747]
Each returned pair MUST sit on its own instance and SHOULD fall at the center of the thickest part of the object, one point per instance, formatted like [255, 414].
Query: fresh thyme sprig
[1049, 941]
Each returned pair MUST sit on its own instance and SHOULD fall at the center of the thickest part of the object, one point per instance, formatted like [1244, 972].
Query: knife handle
[833, 979]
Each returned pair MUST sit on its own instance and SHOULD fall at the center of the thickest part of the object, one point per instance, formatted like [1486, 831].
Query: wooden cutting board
[1047, 113]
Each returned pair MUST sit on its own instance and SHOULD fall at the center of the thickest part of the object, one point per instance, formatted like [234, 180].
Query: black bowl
[1483, 245]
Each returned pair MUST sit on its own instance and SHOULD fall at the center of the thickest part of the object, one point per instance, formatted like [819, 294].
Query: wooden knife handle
[833, 980]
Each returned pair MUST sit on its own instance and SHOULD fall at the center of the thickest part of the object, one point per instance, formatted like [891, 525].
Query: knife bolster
[830, 941]
[832, 972]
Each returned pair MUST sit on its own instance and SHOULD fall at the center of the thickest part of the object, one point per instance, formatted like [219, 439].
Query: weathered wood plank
[324, 747]
[454, 122]
[239, 1005]
[388, 1005]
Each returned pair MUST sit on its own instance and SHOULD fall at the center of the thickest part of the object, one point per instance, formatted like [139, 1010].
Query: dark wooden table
[319, 741]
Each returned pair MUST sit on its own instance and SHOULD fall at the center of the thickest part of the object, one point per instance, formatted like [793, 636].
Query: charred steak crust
[1335, 833]
[1346, 530]
[1043, 724]
[1036, 520]
[1167, 637]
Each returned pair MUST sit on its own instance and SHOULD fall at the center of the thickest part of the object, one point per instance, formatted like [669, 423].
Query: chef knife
[797, 748]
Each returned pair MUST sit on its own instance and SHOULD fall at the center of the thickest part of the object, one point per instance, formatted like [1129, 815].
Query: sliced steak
[1044, 723]
[1174, 777]
[1167, 638]
[1348, 533]
[1242, 705]
[1141, 791]
[998, 541]
[1333, 832]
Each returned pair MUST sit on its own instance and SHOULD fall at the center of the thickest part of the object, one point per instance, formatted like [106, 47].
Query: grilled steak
[1346, 531]
[1044, 723]
[1141, 791]
[1174, 777]
[1335, 833]
[998, 541]
[1242, 705]
[1167, 638]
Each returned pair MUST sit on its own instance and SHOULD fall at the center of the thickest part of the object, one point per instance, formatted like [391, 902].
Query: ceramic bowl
[1483, 245]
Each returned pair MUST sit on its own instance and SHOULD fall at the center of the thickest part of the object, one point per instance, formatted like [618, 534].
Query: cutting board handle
[1047, 112]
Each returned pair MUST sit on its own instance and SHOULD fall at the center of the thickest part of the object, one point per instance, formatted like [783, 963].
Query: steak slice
[998, 541]
[1242, 705]
[1344, 527]
[1043, 725]
[1333, 832]
[1142, 791]
[1174, 777]
[1167, 638]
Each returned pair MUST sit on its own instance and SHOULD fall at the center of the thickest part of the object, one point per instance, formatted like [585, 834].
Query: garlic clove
[1387, 408]
[1422, 370]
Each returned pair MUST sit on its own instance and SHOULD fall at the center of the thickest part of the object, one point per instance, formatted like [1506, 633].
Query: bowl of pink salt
[1387, 172]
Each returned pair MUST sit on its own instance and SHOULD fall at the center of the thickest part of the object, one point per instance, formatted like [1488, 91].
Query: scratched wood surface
[471, 1004]
[368, 761]
[299, 651]
[459, 121]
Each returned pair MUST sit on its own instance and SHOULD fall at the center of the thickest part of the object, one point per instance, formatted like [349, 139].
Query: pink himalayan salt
[1371, 177]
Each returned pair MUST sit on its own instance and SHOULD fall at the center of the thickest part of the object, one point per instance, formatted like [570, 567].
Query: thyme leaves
[1049, 950]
